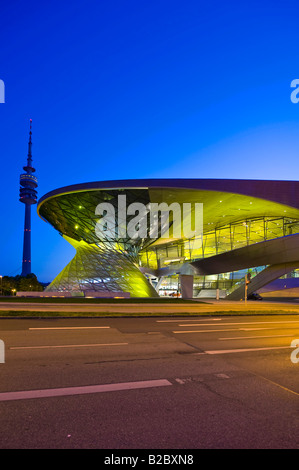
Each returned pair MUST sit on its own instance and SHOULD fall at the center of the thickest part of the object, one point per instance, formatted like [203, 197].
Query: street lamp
[247, 281]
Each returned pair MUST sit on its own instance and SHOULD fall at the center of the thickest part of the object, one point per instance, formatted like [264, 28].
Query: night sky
[141, 89]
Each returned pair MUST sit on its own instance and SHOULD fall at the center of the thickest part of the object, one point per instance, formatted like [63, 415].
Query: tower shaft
[26, 262]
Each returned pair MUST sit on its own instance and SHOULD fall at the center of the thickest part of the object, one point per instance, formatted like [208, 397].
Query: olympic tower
[28, 195]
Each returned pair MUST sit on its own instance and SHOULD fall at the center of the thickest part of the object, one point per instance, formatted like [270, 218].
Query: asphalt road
[150, 383]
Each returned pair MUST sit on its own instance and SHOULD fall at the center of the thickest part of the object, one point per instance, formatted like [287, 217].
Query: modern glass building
[246, 226]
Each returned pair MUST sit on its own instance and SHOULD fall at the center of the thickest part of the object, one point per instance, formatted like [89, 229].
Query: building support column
[186, 281]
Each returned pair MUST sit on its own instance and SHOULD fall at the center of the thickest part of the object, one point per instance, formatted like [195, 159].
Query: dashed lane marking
[68, 346]
[59, 392]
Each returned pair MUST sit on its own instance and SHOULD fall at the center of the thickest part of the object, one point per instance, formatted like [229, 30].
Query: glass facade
[219, 240]
[96, 268]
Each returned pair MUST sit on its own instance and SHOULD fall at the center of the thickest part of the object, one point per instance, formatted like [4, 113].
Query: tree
[29, 283]
[12, 284]
[8, 284]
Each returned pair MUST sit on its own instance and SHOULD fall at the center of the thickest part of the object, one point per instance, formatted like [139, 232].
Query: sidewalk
[210, 307]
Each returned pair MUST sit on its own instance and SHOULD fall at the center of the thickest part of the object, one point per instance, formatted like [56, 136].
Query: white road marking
[203, 331]
[255, 337]
[228, 351]
[180, 381]
[187, 380]
[59, 392]
[256, 329]
[68, 346]
[175, 321]
[245, 323]
[222, 329]
[70, 328]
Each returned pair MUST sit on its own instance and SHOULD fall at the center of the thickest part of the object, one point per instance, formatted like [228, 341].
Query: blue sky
[141, 89]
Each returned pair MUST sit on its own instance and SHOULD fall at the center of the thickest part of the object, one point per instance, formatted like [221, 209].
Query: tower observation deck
[28, 195]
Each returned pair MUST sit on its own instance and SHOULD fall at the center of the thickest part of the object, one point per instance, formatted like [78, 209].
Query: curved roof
[71, 209]
[284, 192]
